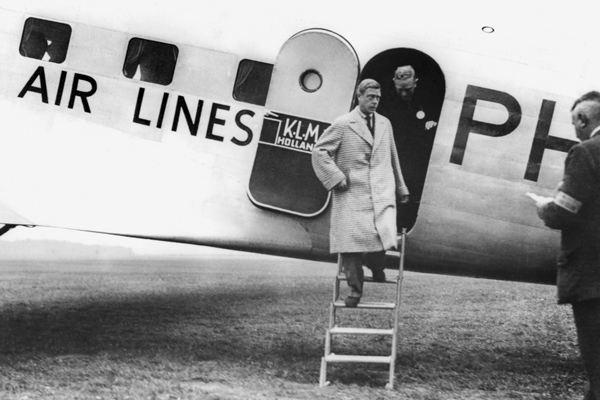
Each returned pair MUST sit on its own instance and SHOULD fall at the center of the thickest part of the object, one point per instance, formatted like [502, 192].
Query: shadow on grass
[275, 325]
[261, 328]
[211, 324]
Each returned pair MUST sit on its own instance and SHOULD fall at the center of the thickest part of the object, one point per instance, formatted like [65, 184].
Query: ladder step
[342, 277]
[361, 359]
[337, 330]
[393, 253]
[367, 305]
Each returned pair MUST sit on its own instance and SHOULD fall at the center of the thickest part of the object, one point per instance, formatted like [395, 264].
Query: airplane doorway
[312, 83]
[413, 105]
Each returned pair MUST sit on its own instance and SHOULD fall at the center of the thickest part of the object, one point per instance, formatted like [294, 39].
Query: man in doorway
[414, 118]
[575, 210]
[356, 159]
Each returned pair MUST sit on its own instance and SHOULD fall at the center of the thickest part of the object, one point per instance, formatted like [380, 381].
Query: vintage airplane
[150, 121]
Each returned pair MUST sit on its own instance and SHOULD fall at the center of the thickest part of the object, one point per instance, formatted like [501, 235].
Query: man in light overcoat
[356, 159]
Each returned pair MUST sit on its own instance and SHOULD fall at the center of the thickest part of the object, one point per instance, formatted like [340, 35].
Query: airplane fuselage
[92, 144]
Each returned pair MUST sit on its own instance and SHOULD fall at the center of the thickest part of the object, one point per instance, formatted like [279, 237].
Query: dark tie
[370, 123]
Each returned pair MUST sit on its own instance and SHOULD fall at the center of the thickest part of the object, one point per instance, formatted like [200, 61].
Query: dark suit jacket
[413, 141]
[578, 276]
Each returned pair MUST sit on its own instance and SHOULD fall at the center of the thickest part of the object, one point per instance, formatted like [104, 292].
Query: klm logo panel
[282, 176]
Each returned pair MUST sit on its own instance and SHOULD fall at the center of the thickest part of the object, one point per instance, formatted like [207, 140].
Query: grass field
[249, 327]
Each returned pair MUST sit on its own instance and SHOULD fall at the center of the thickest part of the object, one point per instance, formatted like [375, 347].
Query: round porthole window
[311, 80]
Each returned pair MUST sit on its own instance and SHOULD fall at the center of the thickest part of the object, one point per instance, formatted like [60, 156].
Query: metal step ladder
[334, 329]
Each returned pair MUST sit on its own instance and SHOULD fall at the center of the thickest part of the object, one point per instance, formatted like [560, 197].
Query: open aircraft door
[313, 82]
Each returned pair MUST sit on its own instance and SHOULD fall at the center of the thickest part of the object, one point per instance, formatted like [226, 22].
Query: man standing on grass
[356, 158]
[575, 210]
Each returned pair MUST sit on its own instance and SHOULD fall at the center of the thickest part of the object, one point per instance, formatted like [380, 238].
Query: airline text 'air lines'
[467, 125]
[37, 84]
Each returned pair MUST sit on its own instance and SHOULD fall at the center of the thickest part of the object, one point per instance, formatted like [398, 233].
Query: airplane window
[150, 61]
[311, 80]
[45, 40]
[252, 82]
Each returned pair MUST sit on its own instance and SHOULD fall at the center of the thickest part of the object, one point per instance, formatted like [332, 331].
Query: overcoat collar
[359, 125]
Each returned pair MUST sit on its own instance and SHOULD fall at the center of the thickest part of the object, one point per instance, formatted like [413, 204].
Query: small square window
[252, 82]
[45, 40]
[150, 61]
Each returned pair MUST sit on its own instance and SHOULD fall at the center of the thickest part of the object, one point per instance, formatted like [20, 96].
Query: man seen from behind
[575, 210]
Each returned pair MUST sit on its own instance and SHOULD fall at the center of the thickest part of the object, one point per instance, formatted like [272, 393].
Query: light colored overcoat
[363, 218]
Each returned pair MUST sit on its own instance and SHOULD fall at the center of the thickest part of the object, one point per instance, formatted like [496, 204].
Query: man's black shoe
[379, 275]
[352, 301]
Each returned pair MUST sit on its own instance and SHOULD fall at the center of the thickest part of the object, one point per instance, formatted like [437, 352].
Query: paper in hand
[538, 198]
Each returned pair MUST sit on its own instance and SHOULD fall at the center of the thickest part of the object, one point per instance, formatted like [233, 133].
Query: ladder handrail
[400, 279]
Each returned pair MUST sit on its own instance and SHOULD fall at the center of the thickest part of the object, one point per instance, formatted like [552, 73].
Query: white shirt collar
[595, 131]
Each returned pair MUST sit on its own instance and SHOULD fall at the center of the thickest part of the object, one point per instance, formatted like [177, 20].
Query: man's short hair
[589, 96]
[404, 72]
[367, 84]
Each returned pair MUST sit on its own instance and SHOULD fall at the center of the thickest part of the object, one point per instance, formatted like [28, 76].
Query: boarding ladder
[334, 329]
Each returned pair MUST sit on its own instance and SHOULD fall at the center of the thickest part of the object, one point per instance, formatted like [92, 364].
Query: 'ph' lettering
[467, 124]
